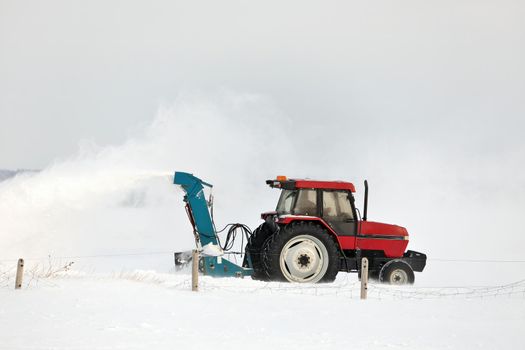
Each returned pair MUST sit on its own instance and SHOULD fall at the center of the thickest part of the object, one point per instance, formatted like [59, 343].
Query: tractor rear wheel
[396, 272]
[254, 248]
[301, 252]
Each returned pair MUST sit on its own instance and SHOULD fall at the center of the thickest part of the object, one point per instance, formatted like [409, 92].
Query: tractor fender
[289, 219]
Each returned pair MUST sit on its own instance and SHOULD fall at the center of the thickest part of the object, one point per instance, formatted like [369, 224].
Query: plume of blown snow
[120, 199]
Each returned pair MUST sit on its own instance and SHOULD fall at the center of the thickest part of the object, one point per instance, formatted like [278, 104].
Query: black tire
[254, 248]
[396, 272]
[319, 254]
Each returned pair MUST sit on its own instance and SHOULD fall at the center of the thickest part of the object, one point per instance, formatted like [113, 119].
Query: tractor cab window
[306, 203]
[286, 201]
[336, 206]
[298, 202]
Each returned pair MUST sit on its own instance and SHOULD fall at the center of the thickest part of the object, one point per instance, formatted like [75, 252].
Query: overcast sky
[423, 98]
[433, 73]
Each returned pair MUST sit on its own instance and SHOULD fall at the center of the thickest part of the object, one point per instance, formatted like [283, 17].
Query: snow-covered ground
[150, 310]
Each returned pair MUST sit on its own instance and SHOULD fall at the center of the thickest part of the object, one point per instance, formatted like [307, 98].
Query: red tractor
[316, 231]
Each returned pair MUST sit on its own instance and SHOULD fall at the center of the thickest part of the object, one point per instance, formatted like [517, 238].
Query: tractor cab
[332, 201]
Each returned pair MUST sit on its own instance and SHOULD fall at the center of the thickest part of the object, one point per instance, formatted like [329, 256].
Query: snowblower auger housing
[211, 263]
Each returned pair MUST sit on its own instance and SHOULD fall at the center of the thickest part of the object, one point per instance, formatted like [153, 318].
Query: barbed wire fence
[48, 270]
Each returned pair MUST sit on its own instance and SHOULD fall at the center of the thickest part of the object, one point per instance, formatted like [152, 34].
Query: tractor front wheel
[396, 272]
[301, 252]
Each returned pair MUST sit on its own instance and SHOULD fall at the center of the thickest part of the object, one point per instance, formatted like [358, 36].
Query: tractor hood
[370, 228]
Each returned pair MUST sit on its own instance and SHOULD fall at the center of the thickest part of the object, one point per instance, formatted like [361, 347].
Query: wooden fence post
[195, 270]
[364, 278]
[19, 273]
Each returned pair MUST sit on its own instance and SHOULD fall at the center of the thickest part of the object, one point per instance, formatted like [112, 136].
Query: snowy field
[150, 310]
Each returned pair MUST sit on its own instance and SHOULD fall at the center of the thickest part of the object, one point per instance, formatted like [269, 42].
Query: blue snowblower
[200, 214]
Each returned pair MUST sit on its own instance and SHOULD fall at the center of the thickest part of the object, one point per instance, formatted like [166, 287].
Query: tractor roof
[292, 184]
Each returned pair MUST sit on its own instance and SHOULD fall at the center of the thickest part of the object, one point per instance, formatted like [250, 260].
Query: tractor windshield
[286, 201]
[298, 202]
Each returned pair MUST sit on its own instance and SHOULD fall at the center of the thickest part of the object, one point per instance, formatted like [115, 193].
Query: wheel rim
[398, 276]
[304, 259]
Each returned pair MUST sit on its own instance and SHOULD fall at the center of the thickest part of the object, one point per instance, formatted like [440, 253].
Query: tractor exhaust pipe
[365, 209]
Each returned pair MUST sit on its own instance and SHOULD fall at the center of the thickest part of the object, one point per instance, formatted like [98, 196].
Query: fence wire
[50, 271]
[511, 290]
[351, 290]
